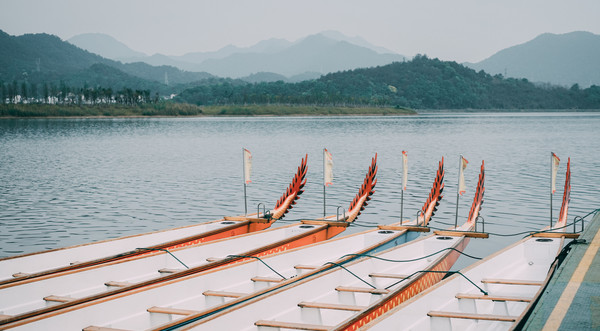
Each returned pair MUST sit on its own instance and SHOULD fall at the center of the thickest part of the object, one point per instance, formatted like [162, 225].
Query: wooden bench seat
[224, 294]
[5, 317]
[171, 311]
[478, 296]
[118, 284]
[361, 290]
[294, 326]
[57, 298]
[169, 270]
[20, 274]
[335, 306]
[393, 276]
[512, 282]
[486, 317]
[267, 279]
[101, 328]
[305, 267]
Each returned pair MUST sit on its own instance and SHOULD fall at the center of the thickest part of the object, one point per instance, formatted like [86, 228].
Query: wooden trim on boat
[267, 279]
[469, 234]
[393, 276]
[305, 267]
[414, 228]
[512, 281]
[484, 317]
[293, 326]
[476, 296]
[334, 306]
[101, 328]
[555, 235]
[329, 223]
[223, 294]
[361, 290]
[58, 298]
[171, 311]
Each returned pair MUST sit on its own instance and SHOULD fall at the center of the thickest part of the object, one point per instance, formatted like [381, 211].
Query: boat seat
[101, 328]
[267, 279]
[393, 276]
[305, 267]
[4, 317]
[486, 317]
[512, 282]
[20, 274]
[57, 298]
[169, 271]
[214, 259]
[223, 294]
[294, 326]
[361, 290]
[335, 306]
[118, 284]
[491, 297]
[171, 311]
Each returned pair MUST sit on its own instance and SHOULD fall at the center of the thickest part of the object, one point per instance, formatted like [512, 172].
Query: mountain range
[559, 59]
[307, 58]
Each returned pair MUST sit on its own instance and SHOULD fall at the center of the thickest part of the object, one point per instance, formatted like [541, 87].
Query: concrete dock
[572, 299]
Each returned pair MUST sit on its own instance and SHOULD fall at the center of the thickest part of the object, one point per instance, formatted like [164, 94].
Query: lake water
[71, 181]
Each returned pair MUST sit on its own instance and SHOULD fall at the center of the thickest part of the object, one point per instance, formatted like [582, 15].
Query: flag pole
[324, 184]
[404, 180]
[244, 180]
[551, 193]
[458, 191]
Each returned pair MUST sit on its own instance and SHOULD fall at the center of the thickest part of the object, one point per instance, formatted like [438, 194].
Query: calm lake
[70, 181]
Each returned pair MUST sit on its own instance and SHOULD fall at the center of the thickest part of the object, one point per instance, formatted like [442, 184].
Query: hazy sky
[458, 30]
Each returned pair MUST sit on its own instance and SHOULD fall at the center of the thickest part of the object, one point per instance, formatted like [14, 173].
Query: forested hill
[43, 58]
[422, 83]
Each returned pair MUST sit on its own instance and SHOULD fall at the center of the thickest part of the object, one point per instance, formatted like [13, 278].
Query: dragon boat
[30, 266]
[495, 293]
[39, 301]
[347, 295]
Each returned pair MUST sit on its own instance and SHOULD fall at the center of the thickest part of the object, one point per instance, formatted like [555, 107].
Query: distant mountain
[43, 58]
[316, 53]
[563, 59]
[105, 46]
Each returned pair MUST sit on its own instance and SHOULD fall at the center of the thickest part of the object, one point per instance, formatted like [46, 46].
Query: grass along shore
[182, 109]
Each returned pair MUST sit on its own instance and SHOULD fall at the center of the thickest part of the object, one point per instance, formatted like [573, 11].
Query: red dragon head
[293, 192]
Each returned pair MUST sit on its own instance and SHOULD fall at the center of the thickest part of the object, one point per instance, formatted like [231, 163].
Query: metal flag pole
[551, 193]
[458, 191]
[404, 180]
[244, 180]
[324, 184]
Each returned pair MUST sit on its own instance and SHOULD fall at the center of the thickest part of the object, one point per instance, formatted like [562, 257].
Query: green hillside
[422, 83]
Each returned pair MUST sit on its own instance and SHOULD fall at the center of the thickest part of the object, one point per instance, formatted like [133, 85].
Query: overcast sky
[457, 30]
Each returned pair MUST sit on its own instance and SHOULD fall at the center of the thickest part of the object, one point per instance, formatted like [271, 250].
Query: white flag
[327, 168]
[462, 188]
[247, 166]
[555, 162]
[404, 169]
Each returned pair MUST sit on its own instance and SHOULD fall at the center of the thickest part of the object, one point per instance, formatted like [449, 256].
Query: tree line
[23, 92]
[421, 83]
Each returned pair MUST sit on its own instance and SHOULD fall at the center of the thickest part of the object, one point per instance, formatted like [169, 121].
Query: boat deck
[572, 299]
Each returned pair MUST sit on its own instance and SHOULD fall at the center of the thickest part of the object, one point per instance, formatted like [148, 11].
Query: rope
[263, 262]
[416, 259]
[439, 272]
[350, 272]
[164, 250]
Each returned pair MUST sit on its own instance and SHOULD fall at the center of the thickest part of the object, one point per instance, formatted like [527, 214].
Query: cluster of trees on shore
[422, 83]
[23, 92]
